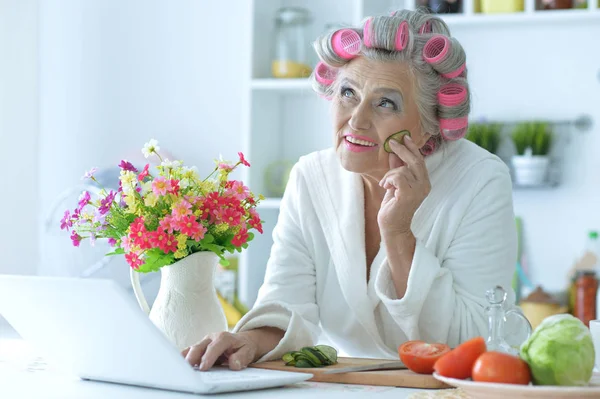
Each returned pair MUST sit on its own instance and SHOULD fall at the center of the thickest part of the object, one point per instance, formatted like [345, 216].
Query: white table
[24, 375]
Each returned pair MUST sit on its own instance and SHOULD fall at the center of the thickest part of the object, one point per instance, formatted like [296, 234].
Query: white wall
[115, 74]
[18, 135]
[545, 70]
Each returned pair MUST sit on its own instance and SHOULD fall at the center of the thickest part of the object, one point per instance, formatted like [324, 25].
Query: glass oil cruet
[496, 314]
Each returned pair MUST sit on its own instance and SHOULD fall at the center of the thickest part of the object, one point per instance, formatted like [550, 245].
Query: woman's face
[374, 100]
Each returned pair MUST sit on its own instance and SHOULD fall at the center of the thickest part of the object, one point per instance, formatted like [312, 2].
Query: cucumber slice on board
[396, 136]
[329, 352]
[311, 356]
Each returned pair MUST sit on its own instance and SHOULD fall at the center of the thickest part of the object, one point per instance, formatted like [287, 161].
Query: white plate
[488, 390]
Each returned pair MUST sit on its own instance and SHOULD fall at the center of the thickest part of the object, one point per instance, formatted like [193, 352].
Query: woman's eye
[385, 103]
[347, 93]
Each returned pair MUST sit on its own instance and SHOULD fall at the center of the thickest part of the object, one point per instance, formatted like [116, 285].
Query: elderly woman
[373, 248]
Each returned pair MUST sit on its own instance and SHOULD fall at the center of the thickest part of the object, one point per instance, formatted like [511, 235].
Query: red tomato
[501, 368]
[420, 356]
[458, 363]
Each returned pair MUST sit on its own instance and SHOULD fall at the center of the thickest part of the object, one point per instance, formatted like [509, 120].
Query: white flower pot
[530, 170]
[186, 308]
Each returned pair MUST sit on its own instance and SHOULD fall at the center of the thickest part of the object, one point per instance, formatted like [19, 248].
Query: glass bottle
[553, 4]
[291, 47]
[585, 300]
[496, 314]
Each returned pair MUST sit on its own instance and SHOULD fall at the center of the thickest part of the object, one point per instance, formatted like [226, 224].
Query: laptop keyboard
[224, 374]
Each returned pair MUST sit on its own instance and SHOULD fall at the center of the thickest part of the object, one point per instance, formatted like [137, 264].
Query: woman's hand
[235, 350]
[407, 184]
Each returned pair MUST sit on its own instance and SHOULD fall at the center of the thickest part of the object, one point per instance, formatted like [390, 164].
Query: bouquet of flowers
[156, 220]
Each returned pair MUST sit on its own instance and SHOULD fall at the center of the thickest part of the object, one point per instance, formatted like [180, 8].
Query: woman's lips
[356, 143]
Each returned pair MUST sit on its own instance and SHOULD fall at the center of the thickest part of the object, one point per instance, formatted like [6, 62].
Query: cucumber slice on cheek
[396, 136]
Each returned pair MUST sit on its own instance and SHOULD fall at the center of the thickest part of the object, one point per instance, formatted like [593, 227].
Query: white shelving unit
[284, 119]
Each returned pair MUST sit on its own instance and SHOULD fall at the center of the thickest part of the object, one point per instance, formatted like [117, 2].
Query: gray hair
[426, 33]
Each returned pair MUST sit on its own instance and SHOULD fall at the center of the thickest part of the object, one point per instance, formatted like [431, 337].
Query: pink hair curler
[402, 36]
[346, 43]
[429, 147]
[436, 49]
[454, 74]
[452, 95]
[324, 74]
[454, 129]
[367, 33]
[425, 28]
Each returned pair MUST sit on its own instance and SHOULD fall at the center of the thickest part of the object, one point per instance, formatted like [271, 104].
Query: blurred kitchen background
[87, 83]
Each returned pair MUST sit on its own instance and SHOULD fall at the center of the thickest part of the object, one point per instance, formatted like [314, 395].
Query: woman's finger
[241, 358]
[410, 175]
[399, 183]
[415, 162]
[216, 349]
[194, 353]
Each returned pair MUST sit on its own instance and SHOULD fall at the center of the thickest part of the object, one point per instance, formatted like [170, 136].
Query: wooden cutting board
[394, 378]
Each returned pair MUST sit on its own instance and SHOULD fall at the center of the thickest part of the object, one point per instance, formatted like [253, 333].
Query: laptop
[95, 330]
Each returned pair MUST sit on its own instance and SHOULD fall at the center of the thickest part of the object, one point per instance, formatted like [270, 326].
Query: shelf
[281, 85]
[270, 203]
[526, 17]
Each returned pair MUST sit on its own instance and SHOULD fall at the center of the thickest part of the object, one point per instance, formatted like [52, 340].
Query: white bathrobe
[315, 281]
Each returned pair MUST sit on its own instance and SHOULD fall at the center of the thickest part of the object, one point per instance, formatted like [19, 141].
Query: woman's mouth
[358, 144]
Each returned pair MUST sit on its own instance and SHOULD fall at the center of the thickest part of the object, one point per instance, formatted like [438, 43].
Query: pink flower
[84, 199]
[128, 166]
[199, 234]
[241, 238]
[66, 222]
[134, 260]
[168, 224]
[144, 173]
[225, 166]
[243, 160]
[89, 174]
[255, 221]
[112, 242]
[238, 190]
[75, 238]
[180, 209]
[126, 243]
[160, 186]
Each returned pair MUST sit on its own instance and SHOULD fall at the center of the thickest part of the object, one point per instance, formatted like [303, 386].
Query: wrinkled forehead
[372, 75]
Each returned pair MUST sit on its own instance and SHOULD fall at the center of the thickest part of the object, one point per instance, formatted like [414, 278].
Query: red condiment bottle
[586, 286]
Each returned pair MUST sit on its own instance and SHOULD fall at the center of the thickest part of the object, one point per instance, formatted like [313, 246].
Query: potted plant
[532, 142]
[487, 136]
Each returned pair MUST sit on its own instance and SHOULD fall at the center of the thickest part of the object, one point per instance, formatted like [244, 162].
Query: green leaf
[224, 262]
[155, 259]
[118, 251]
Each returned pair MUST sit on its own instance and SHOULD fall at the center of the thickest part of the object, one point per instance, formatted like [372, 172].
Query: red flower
[169, 244]
[144, 173]
[241, 238]
[174, 189]
[230, 216]
[213, 201]
[243, 160]
[156, 238]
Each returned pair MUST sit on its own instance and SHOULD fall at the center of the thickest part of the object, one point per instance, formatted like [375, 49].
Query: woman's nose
[361, 118]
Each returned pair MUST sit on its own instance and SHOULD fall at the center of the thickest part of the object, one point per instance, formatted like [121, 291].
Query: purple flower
[106, 203]
[92, 240]
[66, 222]
[112, 242]
[99, 217]
[125, 165]
[120, 190]
[75, 238]
[89, 174]
[84, 199]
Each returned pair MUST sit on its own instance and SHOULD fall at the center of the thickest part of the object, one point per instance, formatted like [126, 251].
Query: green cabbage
[560, 352]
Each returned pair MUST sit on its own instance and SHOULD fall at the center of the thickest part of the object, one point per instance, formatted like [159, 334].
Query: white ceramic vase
[186, 308]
